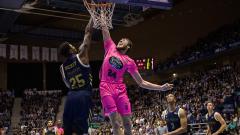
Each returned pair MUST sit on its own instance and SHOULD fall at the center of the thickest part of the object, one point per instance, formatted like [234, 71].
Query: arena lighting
[174, 75]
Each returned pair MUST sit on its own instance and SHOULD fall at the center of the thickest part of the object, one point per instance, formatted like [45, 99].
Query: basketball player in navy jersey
[175, 117]
[216, 123]
[77, 77]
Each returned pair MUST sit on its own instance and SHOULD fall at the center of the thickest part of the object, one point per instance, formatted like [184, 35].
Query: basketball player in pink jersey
[112, 88]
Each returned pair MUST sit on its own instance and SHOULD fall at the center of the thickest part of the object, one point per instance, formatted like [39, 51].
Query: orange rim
[100, 5]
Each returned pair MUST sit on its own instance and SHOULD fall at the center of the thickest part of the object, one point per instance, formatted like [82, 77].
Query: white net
[101, 13]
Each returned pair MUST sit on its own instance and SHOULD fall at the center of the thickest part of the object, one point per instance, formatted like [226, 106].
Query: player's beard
[121, 48]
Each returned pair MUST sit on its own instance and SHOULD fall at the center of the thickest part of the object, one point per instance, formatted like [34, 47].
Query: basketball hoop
[101, 13]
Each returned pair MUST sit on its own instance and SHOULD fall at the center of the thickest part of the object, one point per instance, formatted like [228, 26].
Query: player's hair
[64, 49]
[171, 94]
[130, 44]
[209, 101]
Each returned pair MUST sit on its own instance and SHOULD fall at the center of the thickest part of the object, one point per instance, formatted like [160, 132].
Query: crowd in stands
[191, 91]
[6, 100]
[37, 108]
[222, 39]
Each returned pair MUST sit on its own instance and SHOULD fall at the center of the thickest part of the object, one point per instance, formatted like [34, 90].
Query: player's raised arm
[108, 43]
[105, 30]
[85, 46]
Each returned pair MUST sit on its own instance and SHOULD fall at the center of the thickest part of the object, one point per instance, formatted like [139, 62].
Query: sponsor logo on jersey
[115, 62]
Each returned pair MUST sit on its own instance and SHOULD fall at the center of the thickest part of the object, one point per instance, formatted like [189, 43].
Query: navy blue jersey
[172, 119]
[214, 125]
[76, 75]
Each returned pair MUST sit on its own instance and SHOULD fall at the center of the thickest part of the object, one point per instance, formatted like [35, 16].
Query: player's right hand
[167, 86]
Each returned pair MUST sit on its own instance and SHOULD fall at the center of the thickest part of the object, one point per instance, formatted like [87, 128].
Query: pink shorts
[114, 98]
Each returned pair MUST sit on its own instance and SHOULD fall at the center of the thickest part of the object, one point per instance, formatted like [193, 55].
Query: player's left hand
[167, 86]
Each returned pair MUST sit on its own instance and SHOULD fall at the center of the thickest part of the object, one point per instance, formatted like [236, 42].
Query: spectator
[37, 108]
[161, 129]
[7, 100]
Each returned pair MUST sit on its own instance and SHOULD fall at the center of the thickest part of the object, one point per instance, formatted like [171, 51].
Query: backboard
[159, 4]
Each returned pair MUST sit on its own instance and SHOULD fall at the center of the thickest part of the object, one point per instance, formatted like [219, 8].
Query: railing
[197, 129]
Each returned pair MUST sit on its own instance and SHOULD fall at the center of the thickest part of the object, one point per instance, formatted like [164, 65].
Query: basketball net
[101, 13]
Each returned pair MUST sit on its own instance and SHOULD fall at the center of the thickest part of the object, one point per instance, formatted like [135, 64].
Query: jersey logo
[70, 66]
[115, 62]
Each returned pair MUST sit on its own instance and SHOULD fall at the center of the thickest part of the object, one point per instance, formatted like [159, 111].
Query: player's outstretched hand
[167, 86]
[103, 21]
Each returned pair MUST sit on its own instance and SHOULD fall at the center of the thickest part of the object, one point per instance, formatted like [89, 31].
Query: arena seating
[225, 38]
[37, 108]
[6, 100]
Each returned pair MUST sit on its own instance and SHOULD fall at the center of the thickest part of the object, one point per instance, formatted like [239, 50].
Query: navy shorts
[76, 112]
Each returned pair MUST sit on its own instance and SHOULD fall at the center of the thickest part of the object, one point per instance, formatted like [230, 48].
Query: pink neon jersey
[115, 64]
